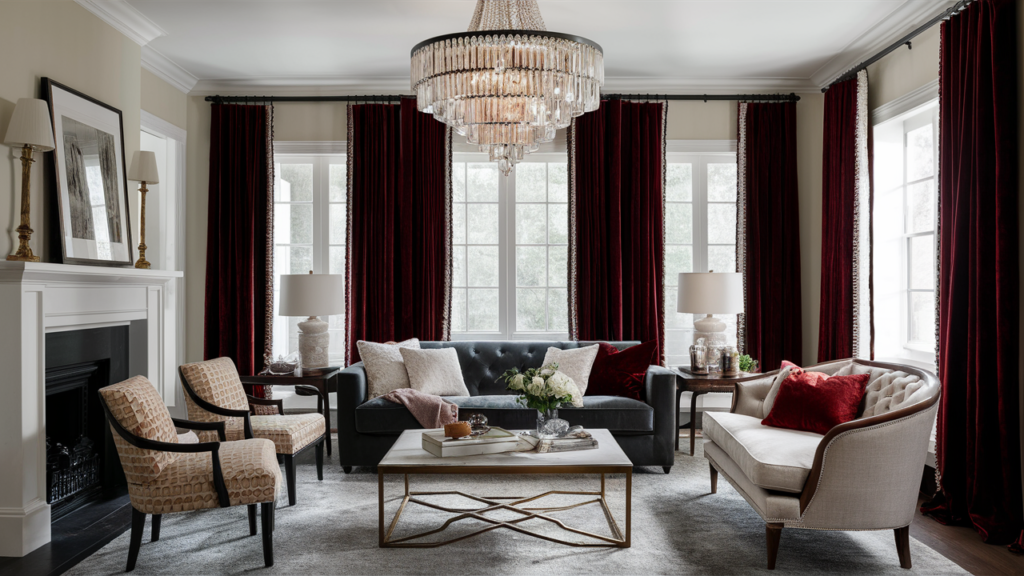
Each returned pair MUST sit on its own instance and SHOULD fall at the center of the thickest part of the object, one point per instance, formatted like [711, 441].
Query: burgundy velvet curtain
[979, 428]
[838, 187]
[617, 214]
[770, 233]
[239, 272]
[399, 248]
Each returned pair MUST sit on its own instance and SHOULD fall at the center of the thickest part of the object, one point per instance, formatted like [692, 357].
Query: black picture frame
[81, 121]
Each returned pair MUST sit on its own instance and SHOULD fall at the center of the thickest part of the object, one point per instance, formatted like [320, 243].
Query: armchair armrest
[146, 444]
[220, 426]
[254, 401]
[749, 396]
[660, 388]
[213, 408]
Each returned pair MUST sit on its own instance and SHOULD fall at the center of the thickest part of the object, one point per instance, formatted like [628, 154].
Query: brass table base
[516, 505]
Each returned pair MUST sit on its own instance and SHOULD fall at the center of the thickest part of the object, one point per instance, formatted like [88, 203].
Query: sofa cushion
[575, 364]
[772, 458]
[619, 415]
[622, 373]
[385, 369]
[435, 372]
[816, 402]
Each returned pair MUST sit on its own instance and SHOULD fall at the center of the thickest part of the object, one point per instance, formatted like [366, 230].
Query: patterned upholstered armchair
[166, 476]
[214, 393]
[862, 475]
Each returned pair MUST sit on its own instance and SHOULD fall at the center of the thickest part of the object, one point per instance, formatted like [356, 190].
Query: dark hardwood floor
[962, 545]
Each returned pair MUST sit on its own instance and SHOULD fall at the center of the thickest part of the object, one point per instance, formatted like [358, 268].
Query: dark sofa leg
[903, 546]
[714, 479]
[155, 534]
[667, 469]
[252, 519]
[138, 524]
[346, 469]
[319, 449]
[773, 533]
[289, 469]
[267, 519]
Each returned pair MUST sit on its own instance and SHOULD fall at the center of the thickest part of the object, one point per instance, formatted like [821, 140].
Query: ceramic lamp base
[314, 342]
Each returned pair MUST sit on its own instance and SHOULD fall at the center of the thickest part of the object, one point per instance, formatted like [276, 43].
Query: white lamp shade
[30, 125]
[143, 168]
[710, 293]
[312, 294]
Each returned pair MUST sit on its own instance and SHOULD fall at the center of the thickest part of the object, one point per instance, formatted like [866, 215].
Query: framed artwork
[92, 189]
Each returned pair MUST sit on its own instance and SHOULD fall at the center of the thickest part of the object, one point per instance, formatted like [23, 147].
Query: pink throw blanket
[429, 410]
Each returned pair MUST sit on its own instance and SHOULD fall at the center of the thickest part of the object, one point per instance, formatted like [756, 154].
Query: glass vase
[549, 425]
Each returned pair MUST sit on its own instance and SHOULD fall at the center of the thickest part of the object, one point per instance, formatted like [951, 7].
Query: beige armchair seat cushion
[771, 458]
[251, 475]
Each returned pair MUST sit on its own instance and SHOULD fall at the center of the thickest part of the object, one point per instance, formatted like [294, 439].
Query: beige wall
[164, 101]
[809, 126]
[196, 200]
[64, 42]
[904, 70]
[698, 120]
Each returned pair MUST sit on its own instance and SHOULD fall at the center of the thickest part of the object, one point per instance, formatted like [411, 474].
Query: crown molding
[167, 70]
[893, 26]
[125, 19]
[909, 101]
[633, 85]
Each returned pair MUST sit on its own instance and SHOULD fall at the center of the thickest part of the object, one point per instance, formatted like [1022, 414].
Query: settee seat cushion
[772, 458]
[619, 415]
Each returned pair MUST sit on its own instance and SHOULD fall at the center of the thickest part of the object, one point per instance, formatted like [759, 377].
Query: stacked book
[495, 441]
[581, 440]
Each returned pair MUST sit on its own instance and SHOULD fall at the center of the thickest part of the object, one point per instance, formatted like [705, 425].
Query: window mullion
[506, 255]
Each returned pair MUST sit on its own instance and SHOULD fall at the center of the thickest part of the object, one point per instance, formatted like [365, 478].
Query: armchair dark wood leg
[773, 533]
[903, 546]
[319, 449]
[714, 479]
[289, 470]
[267, 519]
[138, 524]
[346, 469]
[667, 469]
[155, 534]
[252, 519]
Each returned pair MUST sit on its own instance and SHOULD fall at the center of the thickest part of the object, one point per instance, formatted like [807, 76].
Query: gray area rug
[677, 528]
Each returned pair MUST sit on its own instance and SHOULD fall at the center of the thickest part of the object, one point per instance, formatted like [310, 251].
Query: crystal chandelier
[507, 84]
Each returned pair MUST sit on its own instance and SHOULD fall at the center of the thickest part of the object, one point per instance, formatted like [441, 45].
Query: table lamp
[143, 170]
[30, 129]
[312, 295]
[710, 293]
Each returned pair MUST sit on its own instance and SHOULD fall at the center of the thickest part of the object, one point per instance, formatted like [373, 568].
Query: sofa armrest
[749, 396]
[660, 386]
[352, 391]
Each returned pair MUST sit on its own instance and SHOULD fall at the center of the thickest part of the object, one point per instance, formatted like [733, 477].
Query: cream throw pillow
[385, 370]
[436, 372]
[575, 363]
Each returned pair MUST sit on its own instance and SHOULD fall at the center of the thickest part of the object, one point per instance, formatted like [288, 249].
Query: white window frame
[507, 256]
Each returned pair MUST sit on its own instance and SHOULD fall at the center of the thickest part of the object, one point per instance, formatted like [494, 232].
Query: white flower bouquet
[543, 389]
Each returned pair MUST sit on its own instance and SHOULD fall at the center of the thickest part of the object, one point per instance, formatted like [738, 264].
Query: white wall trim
[158, 124]
[310, 147]
[905, 18]
[165, 69]
[914, 99]
[125, 19]
[699, 146]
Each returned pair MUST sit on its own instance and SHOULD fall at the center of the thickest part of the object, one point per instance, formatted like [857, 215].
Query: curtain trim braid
[938, 267]
[664, 228]
[268, 303]
[862, 304]
[446, 321]
[741, 223]
[574, 324]
[349, 152]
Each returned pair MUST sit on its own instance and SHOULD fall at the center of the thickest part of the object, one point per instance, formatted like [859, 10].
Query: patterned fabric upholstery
[137, 407]
[887, 390]
[217, 382]
[251, 475]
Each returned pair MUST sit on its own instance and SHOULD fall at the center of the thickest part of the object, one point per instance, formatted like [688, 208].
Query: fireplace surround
[39, 301]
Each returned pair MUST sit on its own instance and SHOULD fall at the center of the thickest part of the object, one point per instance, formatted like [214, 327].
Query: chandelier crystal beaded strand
[507, 84]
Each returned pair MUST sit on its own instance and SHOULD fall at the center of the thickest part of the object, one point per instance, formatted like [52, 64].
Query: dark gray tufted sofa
[645, 430]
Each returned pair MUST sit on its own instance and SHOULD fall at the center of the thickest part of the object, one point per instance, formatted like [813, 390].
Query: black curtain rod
[852, 72]
[395, 98]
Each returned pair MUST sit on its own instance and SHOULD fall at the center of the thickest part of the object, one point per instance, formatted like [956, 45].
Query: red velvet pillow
[815, 402]
[621, 373]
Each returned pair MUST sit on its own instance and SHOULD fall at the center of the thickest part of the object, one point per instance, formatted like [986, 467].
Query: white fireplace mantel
[36, 298]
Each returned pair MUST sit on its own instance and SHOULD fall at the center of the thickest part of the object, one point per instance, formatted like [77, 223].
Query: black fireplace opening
[81, 461]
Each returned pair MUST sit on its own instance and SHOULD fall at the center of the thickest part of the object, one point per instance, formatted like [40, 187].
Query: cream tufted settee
[861, 475]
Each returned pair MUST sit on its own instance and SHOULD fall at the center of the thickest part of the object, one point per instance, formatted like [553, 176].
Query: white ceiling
[650, 45]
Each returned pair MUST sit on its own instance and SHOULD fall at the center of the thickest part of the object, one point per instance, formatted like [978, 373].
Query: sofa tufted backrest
[483, 361]
[891, 388]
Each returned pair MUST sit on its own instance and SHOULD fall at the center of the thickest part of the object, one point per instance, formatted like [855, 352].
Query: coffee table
[408, 457]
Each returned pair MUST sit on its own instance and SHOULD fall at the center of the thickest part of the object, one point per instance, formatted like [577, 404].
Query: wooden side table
[699, 384]
[323, 381]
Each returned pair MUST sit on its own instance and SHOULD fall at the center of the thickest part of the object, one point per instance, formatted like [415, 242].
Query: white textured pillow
[575, 363]
[435, 372]
[385, 370]
[769, 399]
